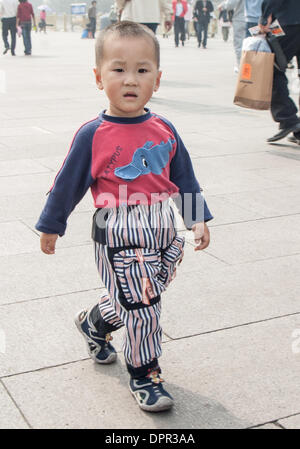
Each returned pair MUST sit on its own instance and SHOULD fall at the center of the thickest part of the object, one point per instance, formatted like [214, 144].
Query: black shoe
[183, 43]
[5, 51]
[199, 44]
[13, 53]
[284, 132]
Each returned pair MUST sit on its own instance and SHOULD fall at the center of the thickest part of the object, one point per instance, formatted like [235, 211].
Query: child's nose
[130, 80]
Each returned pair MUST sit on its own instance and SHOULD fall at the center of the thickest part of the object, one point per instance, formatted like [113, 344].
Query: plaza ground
[231, 319]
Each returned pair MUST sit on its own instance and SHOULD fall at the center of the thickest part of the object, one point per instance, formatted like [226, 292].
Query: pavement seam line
[15, 403]
[51, 296]
[233, 327]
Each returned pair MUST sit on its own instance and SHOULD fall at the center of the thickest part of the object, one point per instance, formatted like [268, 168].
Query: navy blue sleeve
[71, 183]
[190, 203]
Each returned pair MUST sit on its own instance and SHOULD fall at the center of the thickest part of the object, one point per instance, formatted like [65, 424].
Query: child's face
[128, 74]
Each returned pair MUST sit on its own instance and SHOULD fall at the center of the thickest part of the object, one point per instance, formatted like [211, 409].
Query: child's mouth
[130, 95]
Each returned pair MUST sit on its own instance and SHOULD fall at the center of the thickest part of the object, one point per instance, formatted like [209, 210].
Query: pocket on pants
[137, 272]
[171, 258]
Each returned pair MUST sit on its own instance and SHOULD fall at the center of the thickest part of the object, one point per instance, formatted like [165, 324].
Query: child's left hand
[202, 235]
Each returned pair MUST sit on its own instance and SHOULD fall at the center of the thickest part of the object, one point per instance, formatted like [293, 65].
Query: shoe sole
[162, 404]
[283, 135]
[294, 140]
[110, 359]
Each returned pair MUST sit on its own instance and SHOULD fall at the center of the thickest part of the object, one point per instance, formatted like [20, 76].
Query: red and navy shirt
[140, 160]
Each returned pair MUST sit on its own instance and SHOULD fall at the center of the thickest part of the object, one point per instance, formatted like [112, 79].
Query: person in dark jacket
[283, 109]
[202, 12]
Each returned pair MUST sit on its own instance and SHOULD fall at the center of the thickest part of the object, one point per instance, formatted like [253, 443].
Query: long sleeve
[191, 203]
[70, 185]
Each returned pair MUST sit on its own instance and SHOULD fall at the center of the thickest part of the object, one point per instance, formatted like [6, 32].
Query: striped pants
[136, 264]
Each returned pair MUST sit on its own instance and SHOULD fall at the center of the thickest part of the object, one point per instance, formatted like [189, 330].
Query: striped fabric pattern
[143, 272]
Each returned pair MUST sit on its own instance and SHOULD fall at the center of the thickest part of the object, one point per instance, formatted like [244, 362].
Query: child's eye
[143, 70]
[118, 70]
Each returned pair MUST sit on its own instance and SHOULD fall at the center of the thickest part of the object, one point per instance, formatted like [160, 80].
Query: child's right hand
[47, 242]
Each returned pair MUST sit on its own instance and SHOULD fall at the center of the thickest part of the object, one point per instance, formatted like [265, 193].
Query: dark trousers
[152, 26]
[9, 25]
[93, 25]
[250, 25]
[283, 109]
[179, 29]
[26, 33]
[202, 28]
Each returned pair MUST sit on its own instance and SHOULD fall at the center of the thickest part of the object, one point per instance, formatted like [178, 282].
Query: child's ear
[157, 81]
[98, 78]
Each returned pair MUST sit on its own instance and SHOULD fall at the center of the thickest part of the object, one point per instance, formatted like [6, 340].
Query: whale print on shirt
[145, 160]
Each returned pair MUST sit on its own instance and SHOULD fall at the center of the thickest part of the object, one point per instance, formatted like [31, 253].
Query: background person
[283, 109]
[146, 12]
[92, 15]
[238, 26]
[252, 14]
[202, 12]
[25, 15]
[8, 13]
[179, 11]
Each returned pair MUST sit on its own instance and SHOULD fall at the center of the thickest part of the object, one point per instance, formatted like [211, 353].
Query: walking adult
[24, 15]
[146, 12]
[283, 109]
[202, 12]
[179, 11]
[188, 17]
[224, 21]
[252, 14]
[8, 13]
[92, 15]
[238, 26]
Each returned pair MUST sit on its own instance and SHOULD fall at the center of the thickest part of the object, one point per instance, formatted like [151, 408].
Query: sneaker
[150, 394]
[99, 347]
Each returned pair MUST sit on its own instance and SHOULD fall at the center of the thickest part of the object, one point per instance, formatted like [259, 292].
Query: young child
[134, 161]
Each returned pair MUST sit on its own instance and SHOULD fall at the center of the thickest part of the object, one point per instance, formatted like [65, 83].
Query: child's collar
[126, 120]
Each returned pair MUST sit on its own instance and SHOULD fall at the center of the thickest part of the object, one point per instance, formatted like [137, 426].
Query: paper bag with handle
[255, 80]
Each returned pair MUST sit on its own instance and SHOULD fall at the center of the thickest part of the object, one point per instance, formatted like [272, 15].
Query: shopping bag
[255, 80]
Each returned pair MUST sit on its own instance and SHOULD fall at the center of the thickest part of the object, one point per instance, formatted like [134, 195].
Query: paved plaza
[231, 319]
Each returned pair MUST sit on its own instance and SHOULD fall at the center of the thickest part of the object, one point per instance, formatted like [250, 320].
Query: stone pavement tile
[293, 422]
[287, 175]
[10, 417]
[46, 335]
[256, 240]
[230, 296]
[36, 275]
[22, 207]
[265, 203]
[15, 185]
[55, 400]
[230, 182]
[16, 238]
[16, 151]
[226, 211]
[250, 370]
[22, 131]
[21, 167]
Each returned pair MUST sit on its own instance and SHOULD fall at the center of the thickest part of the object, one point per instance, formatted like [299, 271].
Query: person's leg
[13, 33]
[182, 30]
[205, 30]
[283, 109]
[5, 27]
[176, 31]
[238, 37]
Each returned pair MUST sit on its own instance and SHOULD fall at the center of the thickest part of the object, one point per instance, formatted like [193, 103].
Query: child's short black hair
[126, 29]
